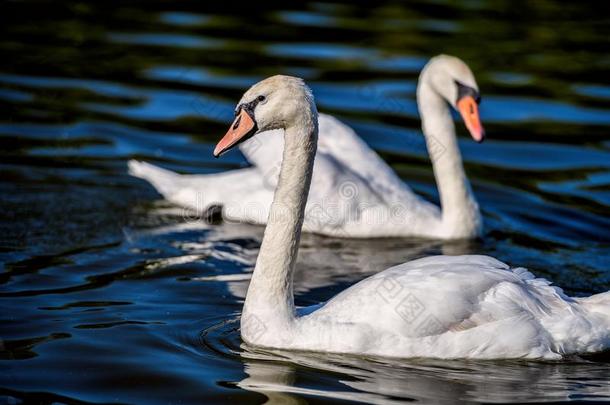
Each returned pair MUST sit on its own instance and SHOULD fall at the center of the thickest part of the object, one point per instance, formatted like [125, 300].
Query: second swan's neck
[460, 212]
[269, 302]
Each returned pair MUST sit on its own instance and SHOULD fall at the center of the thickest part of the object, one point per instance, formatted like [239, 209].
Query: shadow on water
[110, 295]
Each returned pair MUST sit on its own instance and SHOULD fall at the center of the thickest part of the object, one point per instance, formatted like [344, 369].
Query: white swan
[354, 193]
[442, 306]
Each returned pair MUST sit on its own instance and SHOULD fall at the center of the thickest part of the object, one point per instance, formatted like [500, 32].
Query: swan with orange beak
[468, 306]
[354, 193]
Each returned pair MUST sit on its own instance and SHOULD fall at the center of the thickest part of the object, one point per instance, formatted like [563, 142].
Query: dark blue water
[110, 295]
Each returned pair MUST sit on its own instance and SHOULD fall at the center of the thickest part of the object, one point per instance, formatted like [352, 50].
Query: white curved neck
[269, 304]
[460, 211]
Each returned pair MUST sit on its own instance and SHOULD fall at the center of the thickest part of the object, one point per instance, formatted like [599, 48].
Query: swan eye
[260, 99]
[465, 90]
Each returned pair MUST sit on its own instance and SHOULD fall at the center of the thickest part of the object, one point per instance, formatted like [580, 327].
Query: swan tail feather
[598, 304]
[587, 328]
[164, 181]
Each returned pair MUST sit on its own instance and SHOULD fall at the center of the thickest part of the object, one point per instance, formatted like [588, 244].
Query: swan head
[277, 102]
[452, 79]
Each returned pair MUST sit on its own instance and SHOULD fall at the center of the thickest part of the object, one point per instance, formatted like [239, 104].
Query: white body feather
[446, 307]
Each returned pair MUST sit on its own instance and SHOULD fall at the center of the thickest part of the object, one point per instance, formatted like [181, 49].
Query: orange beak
[469, 109]
[242, 128]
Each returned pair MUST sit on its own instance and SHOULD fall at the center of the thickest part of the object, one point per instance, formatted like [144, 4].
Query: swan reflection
[322, 261]
[282, 377]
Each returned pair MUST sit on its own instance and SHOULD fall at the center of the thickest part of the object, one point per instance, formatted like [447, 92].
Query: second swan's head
[276, 102]
[452, 79]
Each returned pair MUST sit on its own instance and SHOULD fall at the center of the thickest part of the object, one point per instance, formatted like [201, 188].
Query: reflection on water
[109, 295]
[279, 377]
